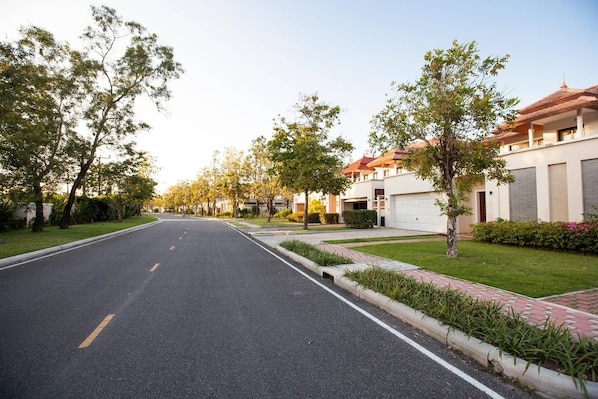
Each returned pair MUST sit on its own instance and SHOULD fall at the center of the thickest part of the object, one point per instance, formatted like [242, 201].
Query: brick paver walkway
[578, 311]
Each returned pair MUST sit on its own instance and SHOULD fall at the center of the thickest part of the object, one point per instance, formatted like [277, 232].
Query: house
[27, 212]
[552, 151]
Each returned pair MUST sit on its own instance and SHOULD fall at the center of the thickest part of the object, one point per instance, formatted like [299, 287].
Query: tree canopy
[264, 186]
[444, 120]
[39, 95]
[304, 156]
[59, 106]
[115, 80]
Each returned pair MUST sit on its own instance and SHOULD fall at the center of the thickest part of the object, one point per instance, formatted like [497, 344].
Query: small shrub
[296, 217]
[313, 218]
[329, 218]
[316, 207]
[8, 221]
[574, 237]
[283, 213]
[245, 213]
[360, 219]
[96, 209]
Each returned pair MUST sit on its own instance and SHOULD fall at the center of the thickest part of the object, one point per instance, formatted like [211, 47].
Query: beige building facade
[552, 150]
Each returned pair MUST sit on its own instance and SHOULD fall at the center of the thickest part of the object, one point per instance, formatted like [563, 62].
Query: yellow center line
[96, 332]
[153, 269]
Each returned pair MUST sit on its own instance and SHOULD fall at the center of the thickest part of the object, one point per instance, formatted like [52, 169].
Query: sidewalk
[578, 311]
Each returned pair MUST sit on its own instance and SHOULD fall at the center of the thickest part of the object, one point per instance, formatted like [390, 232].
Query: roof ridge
[563, 94]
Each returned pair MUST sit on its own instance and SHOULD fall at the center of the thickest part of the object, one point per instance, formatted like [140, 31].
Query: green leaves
[312, 253]
[445, 119]
[303, 155]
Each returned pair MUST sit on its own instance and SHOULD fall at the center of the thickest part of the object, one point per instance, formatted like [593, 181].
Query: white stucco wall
[569, 152]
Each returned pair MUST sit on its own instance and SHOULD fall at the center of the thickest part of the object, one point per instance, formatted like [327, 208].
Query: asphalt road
[190, 308]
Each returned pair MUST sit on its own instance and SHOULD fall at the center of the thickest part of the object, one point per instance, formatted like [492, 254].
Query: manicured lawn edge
[44, 249]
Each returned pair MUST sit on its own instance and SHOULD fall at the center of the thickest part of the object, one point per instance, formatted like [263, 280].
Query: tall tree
[449, 112]
[143, 68]
[233, 178]
[205, 190]
[304, 156]
[127, 184]
[265, 186]
[39, 94]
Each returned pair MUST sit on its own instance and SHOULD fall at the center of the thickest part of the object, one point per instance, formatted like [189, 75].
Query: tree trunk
[38, 199]
[68, 207]
[305, 214]
[66, 216]
[119, 213]
[269, 209]
[451, 236]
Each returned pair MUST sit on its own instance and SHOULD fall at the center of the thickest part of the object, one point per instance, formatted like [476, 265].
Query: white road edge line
[477, 384]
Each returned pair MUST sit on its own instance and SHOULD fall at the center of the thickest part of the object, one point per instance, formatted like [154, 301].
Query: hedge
[329, 218]
[298, 217]
[360, 219]
[572, 237]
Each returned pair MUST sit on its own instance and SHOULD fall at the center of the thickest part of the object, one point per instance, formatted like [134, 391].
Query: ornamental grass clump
[312, 253]
[550, 345]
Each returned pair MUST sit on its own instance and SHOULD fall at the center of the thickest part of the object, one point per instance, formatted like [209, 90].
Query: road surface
[190, 308]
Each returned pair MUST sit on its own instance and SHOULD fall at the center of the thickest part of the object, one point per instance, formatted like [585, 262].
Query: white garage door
[417, 212]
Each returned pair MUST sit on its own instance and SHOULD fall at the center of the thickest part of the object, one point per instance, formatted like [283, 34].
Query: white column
[530, 134]
[580, 132]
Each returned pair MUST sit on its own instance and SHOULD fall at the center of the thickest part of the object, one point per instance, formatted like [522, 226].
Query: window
[567, 134]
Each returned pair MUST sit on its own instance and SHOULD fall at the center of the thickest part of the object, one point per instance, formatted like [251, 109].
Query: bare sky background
[247, 62]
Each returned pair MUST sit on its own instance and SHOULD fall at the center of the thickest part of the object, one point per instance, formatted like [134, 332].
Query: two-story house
[552, 151]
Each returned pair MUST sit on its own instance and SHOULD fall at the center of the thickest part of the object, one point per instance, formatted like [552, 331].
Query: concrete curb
[6, 263]
[545, 381]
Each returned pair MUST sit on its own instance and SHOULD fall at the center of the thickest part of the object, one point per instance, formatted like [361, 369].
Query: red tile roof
[357, 166]
[389, 158]
[562, 100]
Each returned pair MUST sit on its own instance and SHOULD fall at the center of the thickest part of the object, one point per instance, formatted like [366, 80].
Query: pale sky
[247, 62]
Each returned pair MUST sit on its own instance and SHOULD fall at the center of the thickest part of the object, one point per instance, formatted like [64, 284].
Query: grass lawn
[23, 241]
[532, 272]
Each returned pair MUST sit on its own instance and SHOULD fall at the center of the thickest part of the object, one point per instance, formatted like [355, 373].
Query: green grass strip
[550, 346]
[17, 242]
[310, 252]
[531, 272]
